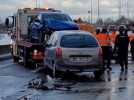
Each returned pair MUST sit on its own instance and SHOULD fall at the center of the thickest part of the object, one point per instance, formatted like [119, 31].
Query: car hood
[61, 25]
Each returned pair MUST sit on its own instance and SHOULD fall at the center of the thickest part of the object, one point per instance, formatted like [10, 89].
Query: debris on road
[50, 84]
[65, 83]
[38, 84]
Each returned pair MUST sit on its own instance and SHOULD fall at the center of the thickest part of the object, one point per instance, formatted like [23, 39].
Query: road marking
[6, 65]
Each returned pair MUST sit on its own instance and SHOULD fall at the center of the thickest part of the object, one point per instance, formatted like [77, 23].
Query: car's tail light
[38, 55]
[58, 52]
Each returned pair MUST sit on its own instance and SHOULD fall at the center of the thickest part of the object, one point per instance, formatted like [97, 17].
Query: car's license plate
[80, 59]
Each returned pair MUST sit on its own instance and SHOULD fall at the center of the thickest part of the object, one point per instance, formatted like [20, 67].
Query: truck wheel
[33, 65]
[15, 59]
[26, 59]
[28, 64]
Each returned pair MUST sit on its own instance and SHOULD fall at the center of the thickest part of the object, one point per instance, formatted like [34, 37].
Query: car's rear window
[78, 41]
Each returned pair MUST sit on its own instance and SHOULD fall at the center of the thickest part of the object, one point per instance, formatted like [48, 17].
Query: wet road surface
[14, 79]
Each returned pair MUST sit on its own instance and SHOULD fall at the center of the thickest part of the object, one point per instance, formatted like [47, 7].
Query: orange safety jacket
[104, 39]
[113, 36]
[131, 37]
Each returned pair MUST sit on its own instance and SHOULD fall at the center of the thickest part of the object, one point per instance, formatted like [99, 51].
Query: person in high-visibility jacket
[113, 36]
[131, 39]
[106, 45]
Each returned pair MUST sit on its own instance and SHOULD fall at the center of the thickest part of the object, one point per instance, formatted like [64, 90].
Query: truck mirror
[7, 22]
[48, 45]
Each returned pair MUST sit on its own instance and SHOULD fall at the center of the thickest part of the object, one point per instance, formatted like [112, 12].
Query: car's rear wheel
[98, 74]
[26, 59]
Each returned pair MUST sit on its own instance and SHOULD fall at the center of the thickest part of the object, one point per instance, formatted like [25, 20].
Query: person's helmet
[98, 30]
[122, 28]
[104, 30]
[112, 28]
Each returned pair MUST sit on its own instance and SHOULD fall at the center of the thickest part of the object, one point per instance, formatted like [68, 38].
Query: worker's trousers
[107, 55]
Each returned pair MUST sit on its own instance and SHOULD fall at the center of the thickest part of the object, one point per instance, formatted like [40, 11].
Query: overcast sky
[76, 8]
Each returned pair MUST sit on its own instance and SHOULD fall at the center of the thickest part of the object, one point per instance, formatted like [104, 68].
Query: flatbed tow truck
[32, 54]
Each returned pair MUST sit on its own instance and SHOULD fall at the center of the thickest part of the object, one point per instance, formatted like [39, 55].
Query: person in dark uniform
[121, 45]
[35, 31]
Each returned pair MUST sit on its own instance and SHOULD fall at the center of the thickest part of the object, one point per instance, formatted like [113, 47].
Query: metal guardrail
[4, 49]
[4, 43]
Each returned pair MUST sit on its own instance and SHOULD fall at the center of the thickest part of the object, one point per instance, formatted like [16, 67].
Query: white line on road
[6, 65]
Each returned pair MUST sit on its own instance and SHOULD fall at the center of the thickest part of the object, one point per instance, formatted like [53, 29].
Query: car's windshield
[78, 41]
[56, 16]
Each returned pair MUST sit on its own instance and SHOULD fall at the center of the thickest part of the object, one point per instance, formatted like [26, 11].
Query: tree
[109, 21]
[122, 20]
[99, 21]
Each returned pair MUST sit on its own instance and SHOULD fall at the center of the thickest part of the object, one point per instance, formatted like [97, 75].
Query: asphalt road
[14, 80]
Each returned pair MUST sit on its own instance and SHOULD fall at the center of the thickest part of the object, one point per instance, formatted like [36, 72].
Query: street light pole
[98, 9]
[36, 3]
[127, 4]
[39, 3]
[120, 8]
[89, 15]
[91, 11]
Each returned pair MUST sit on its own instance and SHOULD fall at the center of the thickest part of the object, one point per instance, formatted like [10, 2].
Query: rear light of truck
[37, 55]
[11, 46]
[58, 52]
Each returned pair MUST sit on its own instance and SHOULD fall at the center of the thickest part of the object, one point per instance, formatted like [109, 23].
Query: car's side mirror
[13, 37]
[75, 21]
